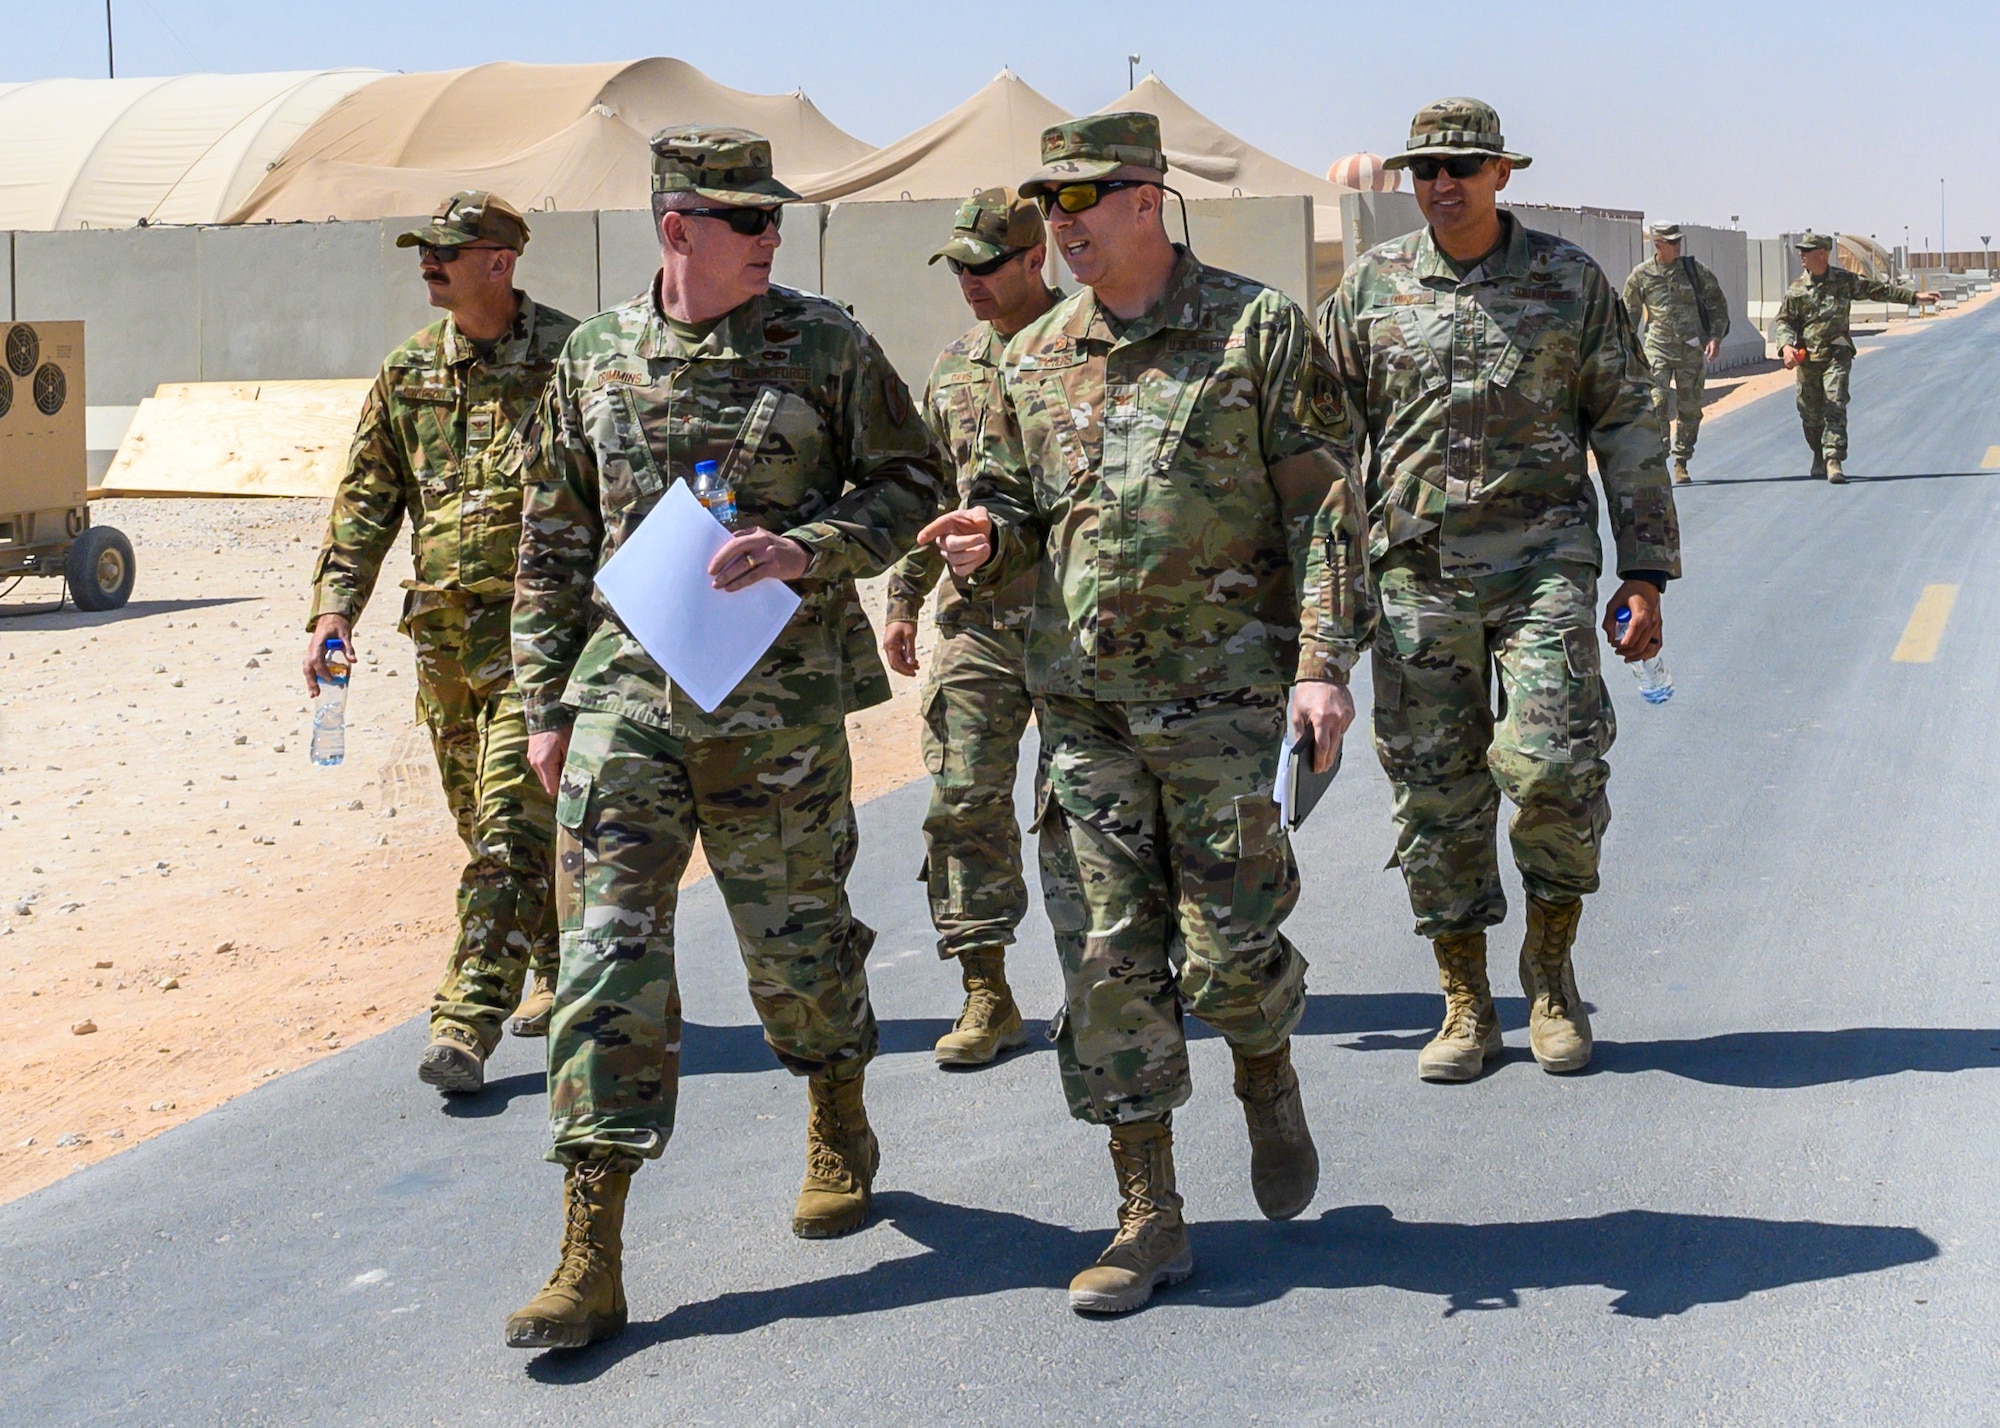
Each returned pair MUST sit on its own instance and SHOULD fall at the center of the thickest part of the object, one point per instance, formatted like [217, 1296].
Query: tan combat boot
[1471, 1030]
[1558, 1028]
[1151, 1247]
[1681, 477]
[454, 1062]
[841, 1158]
[531, 1018]
[584, 1300]
[990, 1022]
[1284, 1164]
[1835, 475]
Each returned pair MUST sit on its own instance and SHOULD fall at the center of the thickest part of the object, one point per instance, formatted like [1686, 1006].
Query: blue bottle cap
[1624, 614]
[706, 468]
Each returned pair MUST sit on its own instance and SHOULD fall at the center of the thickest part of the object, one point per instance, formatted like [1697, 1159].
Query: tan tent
[1210, 162]
[111, 153]
[992, 138]
[540, 135]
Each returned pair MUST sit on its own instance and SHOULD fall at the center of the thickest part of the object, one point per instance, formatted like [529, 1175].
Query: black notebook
[1299, 788]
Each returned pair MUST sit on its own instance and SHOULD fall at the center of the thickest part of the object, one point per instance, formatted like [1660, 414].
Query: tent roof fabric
[992, 138]
[108, 153]
[539, 135]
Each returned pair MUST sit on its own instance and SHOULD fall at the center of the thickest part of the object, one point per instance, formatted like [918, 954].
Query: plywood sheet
[238, 439]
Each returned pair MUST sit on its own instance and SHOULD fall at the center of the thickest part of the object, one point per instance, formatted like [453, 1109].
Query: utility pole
[1941, 248]
[1131, 68]
[110, 52]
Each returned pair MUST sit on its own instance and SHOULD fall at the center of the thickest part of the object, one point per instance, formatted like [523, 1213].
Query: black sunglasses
[448, 252]
[986, 269]
[1077, 197]
[747, 221]
[1459, 166]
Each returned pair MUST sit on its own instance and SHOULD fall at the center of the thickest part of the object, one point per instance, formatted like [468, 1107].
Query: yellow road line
[1992, 461]
[1919, 644]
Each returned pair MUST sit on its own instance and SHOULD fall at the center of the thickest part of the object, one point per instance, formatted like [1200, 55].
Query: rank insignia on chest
[479, 428]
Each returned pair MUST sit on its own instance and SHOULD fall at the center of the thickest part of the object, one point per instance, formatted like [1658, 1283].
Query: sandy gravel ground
[174, 871]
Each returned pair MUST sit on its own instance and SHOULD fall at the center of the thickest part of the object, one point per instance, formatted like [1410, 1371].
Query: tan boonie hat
[1665, 232]
[1806, 242]
[991, 224]
[1455, 126]
[474, 216]
[1094, 147]
[731, 166]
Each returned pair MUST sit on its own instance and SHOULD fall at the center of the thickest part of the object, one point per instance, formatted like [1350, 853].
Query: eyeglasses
[448, 252]
[747, 221]
[1459, 166]
[986, 269]
[1077, 197]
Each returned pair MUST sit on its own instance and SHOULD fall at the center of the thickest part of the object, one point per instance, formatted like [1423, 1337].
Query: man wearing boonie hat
[833, 474]
[1685, 316]
[975, 698]
[1814, 340]
[1489, 360]
[434, 443]
[1172, 456]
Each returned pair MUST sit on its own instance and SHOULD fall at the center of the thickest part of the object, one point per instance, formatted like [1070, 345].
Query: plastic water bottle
[715, 493]
[1656, 686]
[329, 736]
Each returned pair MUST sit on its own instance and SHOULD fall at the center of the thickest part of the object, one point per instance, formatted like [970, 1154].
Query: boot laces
[1267, 1098]
[982, 1006]
[827, 1144]
[1558, 933]
[579, 1256]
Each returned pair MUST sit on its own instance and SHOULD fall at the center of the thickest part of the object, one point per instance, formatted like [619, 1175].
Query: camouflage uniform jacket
[434, 440]
[1186, 483]
[1660, 296]
[1814, 312]
[1481, 397]
[818, 433]
[961, 391]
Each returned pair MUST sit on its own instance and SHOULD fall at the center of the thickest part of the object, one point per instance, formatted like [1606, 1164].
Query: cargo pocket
[572, 803]
[1262, 874]
[1062, 890]
[1589, 704]
[935, 730]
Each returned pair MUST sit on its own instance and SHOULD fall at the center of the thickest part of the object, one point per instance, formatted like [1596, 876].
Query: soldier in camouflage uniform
[975, 698]
[834, 474]
[1686, 317]
[434, 443]
[1813, 339]
[1488, 359]
[1173, 453]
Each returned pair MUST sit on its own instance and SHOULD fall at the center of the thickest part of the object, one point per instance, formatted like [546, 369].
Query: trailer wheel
[100, 569]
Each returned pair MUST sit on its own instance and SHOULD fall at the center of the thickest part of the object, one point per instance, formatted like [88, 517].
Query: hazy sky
[1833, 115]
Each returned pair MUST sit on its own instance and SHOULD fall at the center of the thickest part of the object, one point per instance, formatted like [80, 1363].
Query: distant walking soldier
[1814, 340]
[975, 701]
[834, 474]
[1686, 317]
[434, 444]
[1489, 359]
[1173, 453]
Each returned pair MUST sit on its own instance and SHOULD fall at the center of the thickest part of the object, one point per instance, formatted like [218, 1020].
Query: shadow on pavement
[494, 1098]
[1656, 1263]
[43, 616]
[1853, 479]
[1789, 1060]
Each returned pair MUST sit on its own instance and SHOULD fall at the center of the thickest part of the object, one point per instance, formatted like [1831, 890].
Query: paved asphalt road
[1771, 1200]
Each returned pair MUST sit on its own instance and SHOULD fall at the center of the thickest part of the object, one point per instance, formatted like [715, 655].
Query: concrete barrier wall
[1726, 253]
[1269, 239]
[7, 274]
[559, 266]
[138, 293]
[874, 261]
[291, 301]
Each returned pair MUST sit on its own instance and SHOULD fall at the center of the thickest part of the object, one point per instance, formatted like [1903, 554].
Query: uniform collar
[1181, 308]
[512, 347]
[1510, 261]
[987, 344]
[740, 330]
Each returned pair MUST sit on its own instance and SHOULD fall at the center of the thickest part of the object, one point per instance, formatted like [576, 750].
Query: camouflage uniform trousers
[1440, 641]
[467, 698]
[776, 822]
[1823, 405]
[1166, 876]
[976, 708]
[1678, 381]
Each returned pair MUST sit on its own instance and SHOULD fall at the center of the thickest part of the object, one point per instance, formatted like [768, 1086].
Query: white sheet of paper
[658, 582]
[1284, 789]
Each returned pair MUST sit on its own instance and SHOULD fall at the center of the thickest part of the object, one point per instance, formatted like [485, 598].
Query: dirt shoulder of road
[188, 906]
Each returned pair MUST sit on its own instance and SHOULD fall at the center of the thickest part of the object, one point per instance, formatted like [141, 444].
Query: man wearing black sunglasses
[1488, 360]
[1172, 454]
[433, 445]
[975, 699]
[834, 474]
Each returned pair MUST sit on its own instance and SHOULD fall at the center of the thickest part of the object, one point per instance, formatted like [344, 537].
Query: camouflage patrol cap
[1455, 126]
[1665, 232]
[471, 216]
[1806, 242]
[1094, 147]
[991, 223]
[731, 166]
